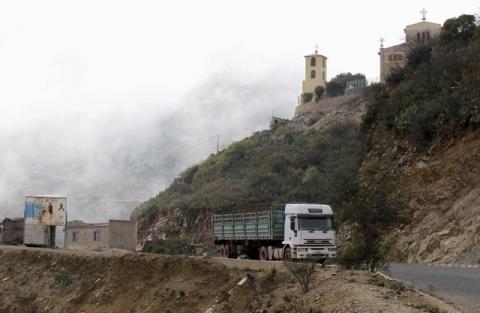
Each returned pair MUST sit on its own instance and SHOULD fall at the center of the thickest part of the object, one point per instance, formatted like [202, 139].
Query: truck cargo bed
[268, 225]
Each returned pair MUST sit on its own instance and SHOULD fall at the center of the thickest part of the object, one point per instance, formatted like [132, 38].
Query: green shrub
[270, 274]
[319, 91]
[63, 278]
[430, 308]
[351, 256]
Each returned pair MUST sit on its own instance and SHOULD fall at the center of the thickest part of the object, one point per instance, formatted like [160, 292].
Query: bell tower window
[312, 74]
[313, 62]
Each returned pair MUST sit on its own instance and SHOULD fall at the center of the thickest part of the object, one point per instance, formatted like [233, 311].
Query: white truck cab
[309, 232]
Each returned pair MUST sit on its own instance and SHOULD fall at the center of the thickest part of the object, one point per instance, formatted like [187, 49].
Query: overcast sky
[88, 88]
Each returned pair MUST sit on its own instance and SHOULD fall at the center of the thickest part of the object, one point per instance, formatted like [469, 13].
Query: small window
[390, 57]
[75, 236]
[312, 74]
[313, 62]
[96, 235]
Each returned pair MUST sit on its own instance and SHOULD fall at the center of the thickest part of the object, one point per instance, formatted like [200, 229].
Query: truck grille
[320, 242]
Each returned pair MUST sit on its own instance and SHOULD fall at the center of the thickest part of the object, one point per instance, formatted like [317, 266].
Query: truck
[302, 231]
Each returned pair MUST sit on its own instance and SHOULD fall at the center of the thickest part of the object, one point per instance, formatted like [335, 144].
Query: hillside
[314, 156]
[424, 134]
[400, 162]
[43, 280]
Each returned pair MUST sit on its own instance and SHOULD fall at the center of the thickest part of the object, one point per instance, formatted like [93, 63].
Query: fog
[108, 162]
[105, 102]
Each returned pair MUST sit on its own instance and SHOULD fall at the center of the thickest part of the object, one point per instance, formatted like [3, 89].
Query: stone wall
[327, 105]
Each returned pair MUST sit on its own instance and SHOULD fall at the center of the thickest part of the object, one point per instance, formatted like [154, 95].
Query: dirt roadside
[43, 280]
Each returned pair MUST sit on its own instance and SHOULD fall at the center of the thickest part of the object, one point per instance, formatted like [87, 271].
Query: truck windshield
[315, 223]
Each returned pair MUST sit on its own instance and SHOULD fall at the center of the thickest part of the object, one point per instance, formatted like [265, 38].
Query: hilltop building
[315, 75]
[396, 56]
[276, 122]
[100, 236]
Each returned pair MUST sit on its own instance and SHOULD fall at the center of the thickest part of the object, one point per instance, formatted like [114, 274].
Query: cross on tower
[382, 40]
[424, 13]
[316, 49]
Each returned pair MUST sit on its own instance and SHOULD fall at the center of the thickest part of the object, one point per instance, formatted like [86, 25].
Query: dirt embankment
[36, 280]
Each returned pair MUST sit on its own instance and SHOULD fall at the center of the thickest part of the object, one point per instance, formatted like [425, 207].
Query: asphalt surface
[460, 286]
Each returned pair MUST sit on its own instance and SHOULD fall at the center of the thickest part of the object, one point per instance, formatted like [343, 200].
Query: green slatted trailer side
[267, 225]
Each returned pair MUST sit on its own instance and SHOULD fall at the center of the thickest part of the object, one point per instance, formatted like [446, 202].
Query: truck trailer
[301, 231]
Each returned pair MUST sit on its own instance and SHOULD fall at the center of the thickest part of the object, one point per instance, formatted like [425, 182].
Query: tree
[458, 31]
[337, 85]
[419, 54]
[371, 216]
[319, 91]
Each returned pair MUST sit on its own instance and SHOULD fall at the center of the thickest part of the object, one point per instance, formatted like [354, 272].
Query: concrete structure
[11, 231]
[39, 235]
[99, 236]
[276, 122]
[395, 56]
[315, 75]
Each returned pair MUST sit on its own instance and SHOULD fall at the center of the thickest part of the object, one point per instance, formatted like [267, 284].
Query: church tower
[315, 75]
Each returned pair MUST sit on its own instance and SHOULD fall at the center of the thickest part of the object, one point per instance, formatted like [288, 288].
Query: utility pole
[218, 143]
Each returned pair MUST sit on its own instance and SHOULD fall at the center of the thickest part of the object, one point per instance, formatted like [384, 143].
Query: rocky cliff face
[177, 223]
[442, 189]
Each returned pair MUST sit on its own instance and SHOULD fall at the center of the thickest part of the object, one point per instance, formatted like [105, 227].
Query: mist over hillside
[108, 160]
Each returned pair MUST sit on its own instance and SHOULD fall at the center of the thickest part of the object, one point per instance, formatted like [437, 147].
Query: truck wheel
[287, 254]
[226, 251]
[263, 254]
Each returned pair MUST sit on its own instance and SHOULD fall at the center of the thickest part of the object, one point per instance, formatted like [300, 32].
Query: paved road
[460, 286]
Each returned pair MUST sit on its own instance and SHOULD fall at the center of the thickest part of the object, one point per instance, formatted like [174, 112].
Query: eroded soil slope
[36, 280]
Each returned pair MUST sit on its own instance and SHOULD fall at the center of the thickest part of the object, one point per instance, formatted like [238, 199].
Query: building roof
[80, 224]
[14, 219]
[316, 55]
[422, 24]
[401, 45]
[47, 196]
